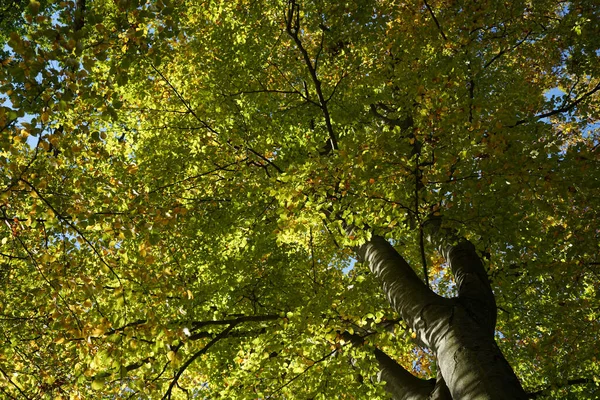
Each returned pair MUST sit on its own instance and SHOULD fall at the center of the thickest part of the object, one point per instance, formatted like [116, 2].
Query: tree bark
[440, 391]
[460, 331]
[400, 383]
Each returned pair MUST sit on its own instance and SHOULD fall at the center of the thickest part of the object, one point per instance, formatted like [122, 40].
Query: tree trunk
[459, 331]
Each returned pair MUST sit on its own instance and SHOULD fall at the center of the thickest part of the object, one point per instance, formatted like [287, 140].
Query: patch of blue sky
[561, 98]
[350, 266]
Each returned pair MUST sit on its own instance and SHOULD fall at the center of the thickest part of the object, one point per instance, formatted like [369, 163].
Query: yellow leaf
[98, 332]
[171, 355]
[34, 6]
[98, 384]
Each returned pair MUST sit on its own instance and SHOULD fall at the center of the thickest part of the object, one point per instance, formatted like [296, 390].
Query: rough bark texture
[459, 331]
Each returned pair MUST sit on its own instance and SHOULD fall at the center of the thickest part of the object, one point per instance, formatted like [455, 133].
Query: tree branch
[403, 124]
[542, 392]
[400, 383]
[248, 318]
[205, 124]
[325, 357]
[85, 239]
[504, 51]
[560, 110]
[441, 391]
[418, 306]
[79, 20]
[435, 20]
[202, 351]
[423, 258]
[292, 23]
[474, 289]
[14, 384]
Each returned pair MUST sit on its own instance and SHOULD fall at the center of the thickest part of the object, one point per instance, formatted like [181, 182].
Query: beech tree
[300, 199]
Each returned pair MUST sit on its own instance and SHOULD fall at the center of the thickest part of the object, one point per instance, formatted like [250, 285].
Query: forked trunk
[459, 331]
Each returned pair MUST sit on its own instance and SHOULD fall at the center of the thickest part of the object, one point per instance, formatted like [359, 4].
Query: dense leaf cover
[183, 185]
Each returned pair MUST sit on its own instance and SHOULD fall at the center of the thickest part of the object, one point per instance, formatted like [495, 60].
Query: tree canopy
[199, 199]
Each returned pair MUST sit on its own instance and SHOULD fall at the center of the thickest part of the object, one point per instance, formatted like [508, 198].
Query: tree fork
[471, 363]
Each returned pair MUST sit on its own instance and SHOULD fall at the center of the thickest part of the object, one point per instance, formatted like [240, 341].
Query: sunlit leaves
[163, 167]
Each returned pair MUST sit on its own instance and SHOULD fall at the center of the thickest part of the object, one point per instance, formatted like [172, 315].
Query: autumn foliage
[184, 186]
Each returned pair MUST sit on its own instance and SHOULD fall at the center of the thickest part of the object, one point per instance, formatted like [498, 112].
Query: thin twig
[306, 369]
[579, 381]
[75, 228]
[205, 124]
[37, 266]
[418, 216]
[502, 52]
[14, 384]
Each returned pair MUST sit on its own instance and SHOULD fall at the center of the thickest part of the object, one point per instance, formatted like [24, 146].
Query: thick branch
[400, 383]
[474, 289]
[418, 306]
